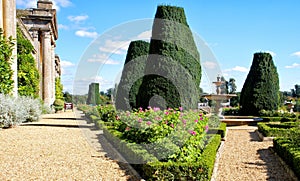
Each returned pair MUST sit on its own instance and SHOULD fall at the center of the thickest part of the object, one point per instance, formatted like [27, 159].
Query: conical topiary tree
[173, 71]
[261, 88]
[94, 94]
[132, 74]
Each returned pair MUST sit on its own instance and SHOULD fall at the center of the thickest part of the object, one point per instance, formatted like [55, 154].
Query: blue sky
[233, 30]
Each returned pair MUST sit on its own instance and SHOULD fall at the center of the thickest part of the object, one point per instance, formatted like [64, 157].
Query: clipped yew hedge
[289, 152]
[276, 130]
[173, 70]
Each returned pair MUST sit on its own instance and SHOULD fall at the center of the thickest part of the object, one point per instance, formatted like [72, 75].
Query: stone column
[38, 58]
[1, 14]
[47, 57]
[53, 72]
[10, 29]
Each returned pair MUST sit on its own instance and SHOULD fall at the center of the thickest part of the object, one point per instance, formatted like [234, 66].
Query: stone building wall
[39, 26]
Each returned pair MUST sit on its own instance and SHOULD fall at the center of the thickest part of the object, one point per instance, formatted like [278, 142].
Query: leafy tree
[132, 74]
[28, 74]
[261, 88]
[6, 73]
[93, 95]
[172, 71]
[58, 89]
[68, 97]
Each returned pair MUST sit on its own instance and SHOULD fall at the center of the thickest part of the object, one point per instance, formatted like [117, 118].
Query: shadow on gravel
[112, 154]
[254, 137]
[56, 125]
[62, 118]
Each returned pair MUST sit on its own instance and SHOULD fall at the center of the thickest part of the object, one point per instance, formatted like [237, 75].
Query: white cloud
[65, 63]
[116, 47]
[297, 54]
[33, 4]
[240, 69]
[209, 64]
[271, 52]
[62, 27]
[103, 58]
[78, 19]
[84, 33]
[145, 35]
[294, 65]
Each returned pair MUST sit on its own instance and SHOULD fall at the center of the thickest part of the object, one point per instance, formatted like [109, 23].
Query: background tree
[173, 71]
[67, 97]
[28, 74]
[6, 73]
[132, 74]
[59, 89]
[261, 88]
[94, 94]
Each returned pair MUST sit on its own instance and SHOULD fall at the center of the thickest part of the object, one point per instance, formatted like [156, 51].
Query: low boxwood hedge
[274, 130]
[152, 169]
[289, 152]
[278, 119]
[221, 130]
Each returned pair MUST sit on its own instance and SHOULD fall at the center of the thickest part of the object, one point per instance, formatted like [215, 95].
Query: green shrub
[152, 169]
[107, 113]
[6, 73]
[275, 130]
[232, 111]
[173, 70]
[58, 105]
[289, 151]
[278, 119]
[28, 74]
[261, 88]
[93, 95]
[132, 74]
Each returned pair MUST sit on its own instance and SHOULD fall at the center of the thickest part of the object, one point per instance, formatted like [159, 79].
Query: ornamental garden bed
[286, 141]
[163, 144]
[277, 129]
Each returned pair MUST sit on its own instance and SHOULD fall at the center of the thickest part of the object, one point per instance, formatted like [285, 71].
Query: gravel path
[245, 157]
[57, 149]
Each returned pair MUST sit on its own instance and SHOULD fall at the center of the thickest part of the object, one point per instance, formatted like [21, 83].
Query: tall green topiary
[94, 94]
[132, 74]
[173, 71]
[28, 74]
[59, 89]
[6, 73]
[261, 88]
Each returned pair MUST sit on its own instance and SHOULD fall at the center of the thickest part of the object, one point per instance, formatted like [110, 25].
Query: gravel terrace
[59, 147]
[245, 157]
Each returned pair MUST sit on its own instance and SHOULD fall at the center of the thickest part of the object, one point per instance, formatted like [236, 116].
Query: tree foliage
[6, 73]
[28, 74]
[132, 74]
[172, 71]
[261, 88]
[94, 94]
[58, 89]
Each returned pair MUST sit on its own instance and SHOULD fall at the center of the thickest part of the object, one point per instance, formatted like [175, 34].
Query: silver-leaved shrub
[14, 111]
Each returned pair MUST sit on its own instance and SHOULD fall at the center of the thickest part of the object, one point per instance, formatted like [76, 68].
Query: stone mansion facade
[39, 26]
